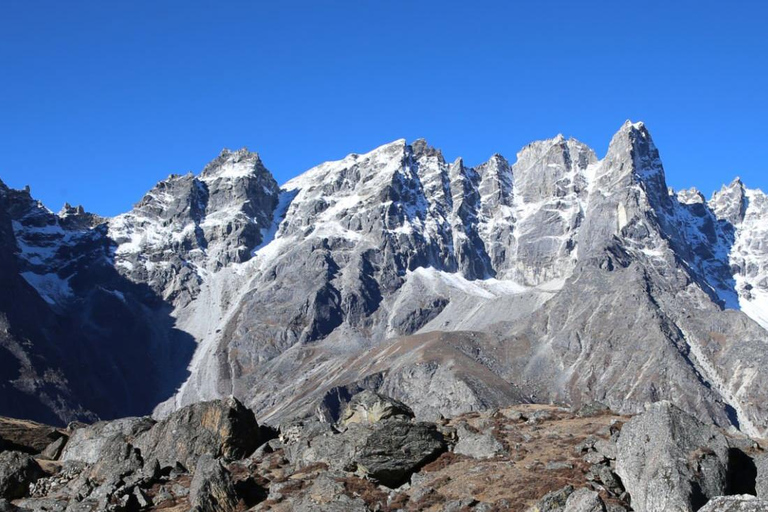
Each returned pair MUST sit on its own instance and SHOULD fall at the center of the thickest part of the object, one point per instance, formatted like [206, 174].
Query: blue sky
[100, 100]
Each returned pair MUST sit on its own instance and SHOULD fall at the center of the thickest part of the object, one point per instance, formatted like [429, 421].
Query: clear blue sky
[100, 100]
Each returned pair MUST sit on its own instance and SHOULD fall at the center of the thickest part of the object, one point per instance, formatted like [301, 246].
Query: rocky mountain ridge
[560, 278]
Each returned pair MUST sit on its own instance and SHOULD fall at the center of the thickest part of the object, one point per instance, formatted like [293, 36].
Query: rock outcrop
[212, 489]
[89, 444]
[368, 408]
[223, 429]
[584, 500]
[544, 459]
[481, 445]
[761, 475]
[741, 503]
[669, 461]
[17, 471]
[396, 449]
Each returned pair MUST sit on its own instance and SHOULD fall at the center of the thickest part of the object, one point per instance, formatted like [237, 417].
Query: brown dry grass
[520, 477]
[366, 490]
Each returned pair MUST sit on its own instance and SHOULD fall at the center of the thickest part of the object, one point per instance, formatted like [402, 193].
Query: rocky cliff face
[559, 278]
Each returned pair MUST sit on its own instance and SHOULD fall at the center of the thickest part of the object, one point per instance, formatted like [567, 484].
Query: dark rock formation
[221, 428]
[212, 489]
[17, 471]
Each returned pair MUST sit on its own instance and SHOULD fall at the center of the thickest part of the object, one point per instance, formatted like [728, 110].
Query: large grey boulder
[740, 503]
[396, 449]
[118, 460]
[53, 451]
[327, 493]
[339, 451]
[584, 500]
[112, 478]
[669, 461]
[388, 451]
[479, 445]
[368, 407]
[17, 471]
[553, 501]
[88, 444]
[212, 489]
[220, 428]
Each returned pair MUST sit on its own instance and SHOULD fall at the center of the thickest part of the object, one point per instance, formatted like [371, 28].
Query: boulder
[389, 451]
[740, 503]
[761, 479]
[669, 461]
[326, 493]
[339, 451]
[460, 505]
[603, 473]
[119, 459]
[584, 500]
[593, 408]
[368, 408]
[53, 451]
[88, 444]
[554, 501]
[17, 471]
[479, 445]
[7, 506]
[296, 438]
[220, 428]
[396, 449]
[212, 489]
[112, 479]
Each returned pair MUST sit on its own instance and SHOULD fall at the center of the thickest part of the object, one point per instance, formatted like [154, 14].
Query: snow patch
[52, 288]
[269, 233]
[757, 307]
[484, 288]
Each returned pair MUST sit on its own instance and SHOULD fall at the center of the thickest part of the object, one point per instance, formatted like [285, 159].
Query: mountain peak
[233, 164]
[421, 148]
[730, 202]
[240, 154]
[631, 125]
[735, 186]
[634, 142]
[691, 196]
[68, 209]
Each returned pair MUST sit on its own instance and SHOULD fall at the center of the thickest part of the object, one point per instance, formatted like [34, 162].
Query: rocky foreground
[214, 456]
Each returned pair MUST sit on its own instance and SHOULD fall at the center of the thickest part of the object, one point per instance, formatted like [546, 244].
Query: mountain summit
[559, 278]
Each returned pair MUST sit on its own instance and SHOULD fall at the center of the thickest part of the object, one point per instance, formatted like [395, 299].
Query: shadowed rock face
[17, 471]
[88, 301]
[451, 288]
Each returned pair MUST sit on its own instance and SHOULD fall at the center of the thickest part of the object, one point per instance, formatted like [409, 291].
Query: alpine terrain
[560, 290]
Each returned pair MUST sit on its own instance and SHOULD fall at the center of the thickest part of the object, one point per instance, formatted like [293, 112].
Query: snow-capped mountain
[559, 278]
